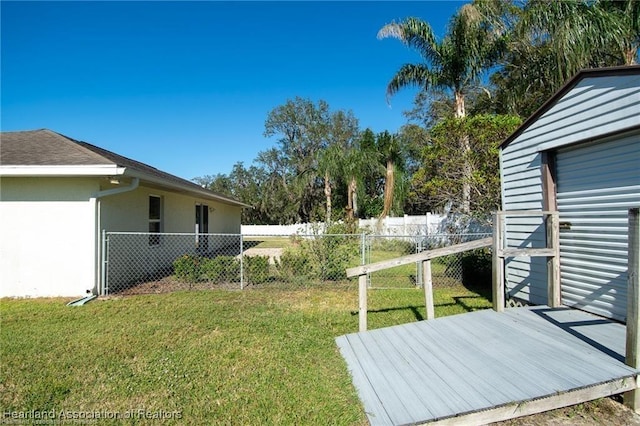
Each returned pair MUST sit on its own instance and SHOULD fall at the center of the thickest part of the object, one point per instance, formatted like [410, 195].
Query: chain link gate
[446, 270]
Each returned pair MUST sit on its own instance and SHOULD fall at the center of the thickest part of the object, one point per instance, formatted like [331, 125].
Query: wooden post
[552, 225]
[498, 264]
[632, 359]
[428, 288]
[362, 301]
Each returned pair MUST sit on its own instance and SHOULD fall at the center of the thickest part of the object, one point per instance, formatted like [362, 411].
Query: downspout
[96, 200]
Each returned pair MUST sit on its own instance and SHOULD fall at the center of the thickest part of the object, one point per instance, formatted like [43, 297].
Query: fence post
[498, 264]
[428, 288]
[362, 301]
[241, 262]
[632, 358]
[420, 282]
[103, 275]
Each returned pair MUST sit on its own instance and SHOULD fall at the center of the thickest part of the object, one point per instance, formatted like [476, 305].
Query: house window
[155, 219]
[202, 227]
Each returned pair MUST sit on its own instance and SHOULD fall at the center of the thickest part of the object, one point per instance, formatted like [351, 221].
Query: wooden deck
[486, 366]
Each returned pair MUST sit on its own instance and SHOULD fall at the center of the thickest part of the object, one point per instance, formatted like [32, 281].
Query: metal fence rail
[137, 263]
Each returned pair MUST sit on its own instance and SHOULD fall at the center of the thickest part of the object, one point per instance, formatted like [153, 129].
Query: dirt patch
[605, 411]
[170, 284]
[272, 253]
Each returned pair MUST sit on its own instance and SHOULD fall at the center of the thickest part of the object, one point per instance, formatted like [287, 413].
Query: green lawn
[263, 356]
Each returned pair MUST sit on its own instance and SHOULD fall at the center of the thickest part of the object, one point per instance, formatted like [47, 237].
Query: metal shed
[578, 154]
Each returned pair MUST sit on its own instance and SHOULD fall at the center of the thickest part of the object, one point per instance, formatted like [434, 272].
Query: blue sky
[186, 86]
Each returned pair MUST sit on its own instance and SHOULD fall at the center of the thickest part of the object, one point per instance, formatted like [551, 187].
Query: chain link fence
[446, 271]
[138, 263]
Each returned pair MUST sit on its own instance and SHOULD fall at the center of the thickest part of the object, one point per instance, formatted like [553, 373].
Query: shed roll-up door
[596, 186]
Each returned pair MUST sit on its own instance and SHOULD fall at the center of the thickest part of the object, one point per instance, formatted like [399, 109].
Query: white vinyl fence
[426, 224]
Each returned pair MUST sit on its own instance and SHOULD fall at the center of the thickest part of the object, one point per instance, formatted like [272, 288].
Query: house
[58, 195]
[578, 154]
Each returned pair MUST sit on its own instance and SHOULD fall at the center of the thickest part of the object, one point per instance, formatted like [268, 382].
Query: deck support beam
[362, 302]
[553, 261]
[498, 264]
[427, 283]
[512, 411]
[632, 359]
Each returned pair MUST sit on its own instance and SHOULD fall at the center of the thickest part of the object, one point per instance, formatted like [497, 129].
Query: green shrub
[221, 269]
[334, 265]
[323, 258]
[188, 268]
[340, 228]
[256, 269]
[293, 263]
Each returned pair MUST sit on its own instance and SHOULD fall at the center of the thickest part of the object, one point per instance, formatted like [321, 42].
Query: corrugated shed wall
[597, 184]
[594, 107]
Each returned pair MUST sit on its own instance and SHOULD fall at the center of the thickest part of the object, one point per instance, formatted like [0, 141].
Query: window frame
[155, 223]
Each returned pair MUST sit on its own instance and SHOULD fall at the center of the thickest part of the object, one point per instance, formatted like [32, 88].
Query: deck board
[512, 365]
[366, 391]
[447, 367]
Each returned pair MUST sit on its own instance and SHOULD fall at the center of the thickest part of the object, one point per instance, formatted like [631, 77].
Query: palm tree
[359, 161]
[550, 41]
[453, 65]
[330, 165]
[341, 133]
[629, 13]
[578, 34]
[391, 153]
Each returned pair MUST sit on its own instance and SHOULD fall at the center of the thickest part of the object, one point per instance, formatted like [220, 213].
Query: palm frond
[414, 33]
[412, 75]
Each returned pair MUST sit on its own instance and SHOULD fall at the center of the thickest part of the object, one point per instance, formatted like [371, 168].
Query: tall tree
[453, 65]
[330, 166]
[342, 133]
[371, 177]
[390, 150]
[550, 41]
[276, 199]
[439, 179]
[627, 15]
[415, 138]
[301, 126]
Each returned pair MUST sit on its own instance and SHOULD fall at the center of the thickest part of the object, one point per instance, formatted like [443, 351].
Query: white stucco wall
[46, 236]
[129, 212]
[49, 244]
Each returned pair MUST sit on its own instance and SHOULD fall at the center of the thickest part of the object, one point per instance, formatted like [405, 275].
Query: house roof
[569, 85]
[44, 148]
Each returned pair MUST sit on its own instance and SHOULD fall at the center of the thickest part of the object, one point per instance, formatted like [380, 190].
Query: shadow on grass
[418, 310]
[481, 288]
[414, 309]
